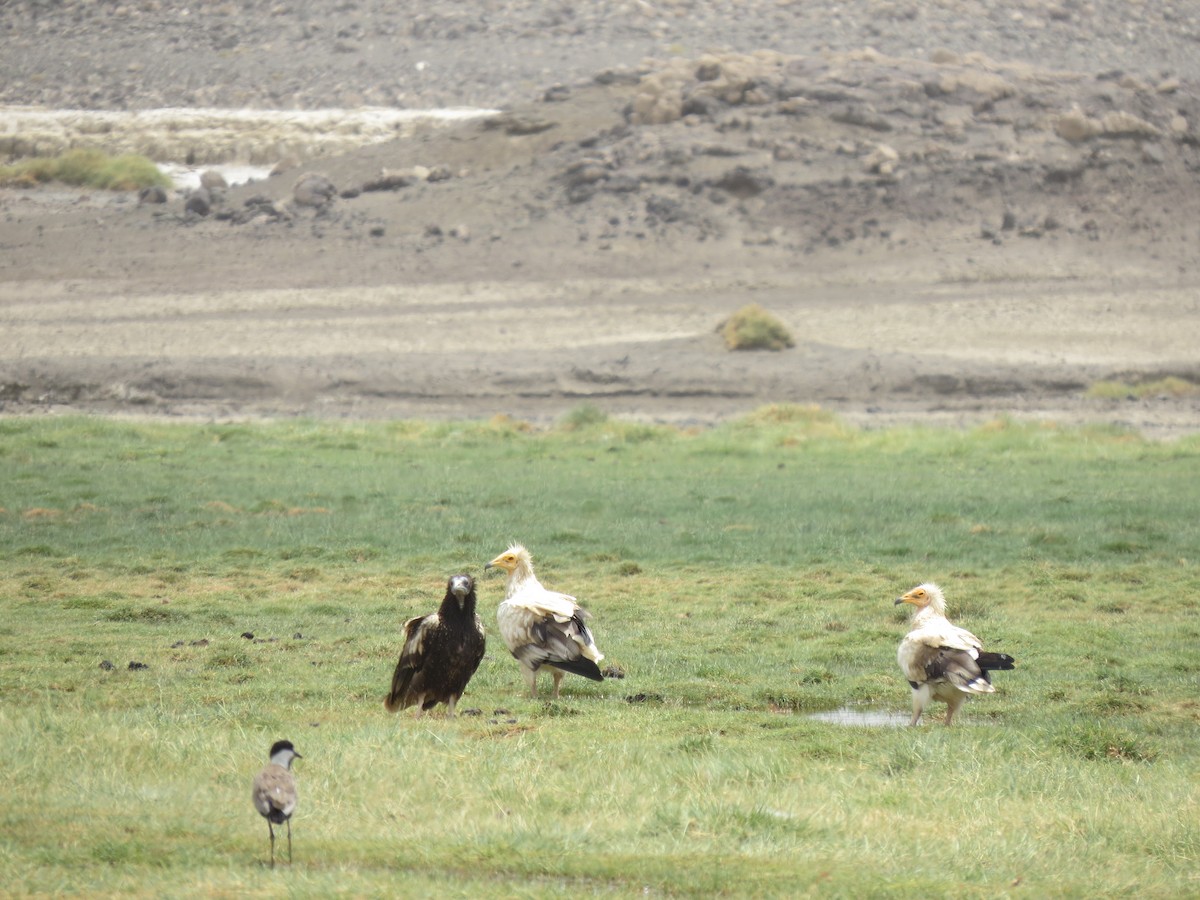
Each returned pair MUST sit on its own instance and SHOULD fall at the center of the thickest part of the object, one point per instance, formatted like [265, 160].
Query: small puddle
[863, 718]
[187, 178]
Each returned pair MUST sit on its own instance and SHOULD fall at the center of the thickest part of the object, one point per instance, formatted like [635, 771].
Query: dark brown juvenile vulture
[541, 627]
[940, 660]
[441, 652]
[274, 792]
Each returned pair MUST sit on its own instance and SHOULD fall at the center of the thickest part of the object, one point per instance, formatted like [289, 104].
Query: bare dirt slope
[949, 237]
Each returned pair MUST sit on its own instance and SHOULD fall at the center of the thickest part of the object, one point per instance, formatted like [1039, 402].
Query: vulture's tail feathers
[995, 661]
[581, 666]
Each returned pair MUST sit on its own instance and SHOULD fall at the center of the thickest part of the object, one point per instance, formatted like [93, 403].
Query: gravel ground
[950, 236]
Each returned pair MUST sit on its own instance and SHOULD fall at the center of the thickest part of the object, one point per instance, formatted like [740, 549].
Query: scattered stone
[863, 117]
[1123, 124]
[613, 671]
[106, 665]
[199, 203]
[882, 160]
[248, 635]
[154, 194]
[390, 180]
[742, 182]
[136, 666]
[313, 190]
[212, 180]
[518, 124]
[1075, 126]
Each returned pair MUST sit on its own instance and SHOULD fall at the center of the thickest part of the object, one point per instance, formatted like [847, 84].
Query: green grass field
[741, 577]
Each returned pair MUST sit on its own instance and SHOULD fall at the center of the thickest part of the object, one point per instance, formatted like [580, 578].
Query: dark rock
[199, 203]
[313, 190]
[153, 194]
[518, 124]
[742, 182]
[106, 665]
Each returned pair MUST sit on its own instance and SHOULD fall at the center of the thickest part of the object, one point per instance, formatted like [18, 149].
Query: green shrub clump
[753, 328]
[86, 168]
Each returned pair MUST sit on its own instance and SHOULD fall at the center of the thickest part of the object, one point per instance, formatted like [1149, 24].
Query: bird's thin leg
[953, 705]
[918, 708]
[531, 680]
[450, 704]
[557, 675]
[289, 824]
[420, 706]
[272, 833]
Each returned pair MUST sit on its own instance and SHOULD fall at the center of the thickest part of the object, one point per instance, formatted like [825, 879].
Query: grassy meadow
[741, 577]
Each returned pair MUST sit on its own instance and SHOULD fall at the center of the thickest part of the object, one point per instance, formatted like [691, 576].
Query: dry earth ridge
[949, 238]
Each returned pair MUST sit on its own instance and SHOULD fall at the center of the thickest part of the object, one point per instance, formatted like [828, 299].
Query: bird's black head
[281, 745]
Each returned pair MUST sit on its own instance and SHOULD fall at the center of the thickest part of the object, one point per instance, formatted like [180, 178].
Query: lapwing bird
[275, 792]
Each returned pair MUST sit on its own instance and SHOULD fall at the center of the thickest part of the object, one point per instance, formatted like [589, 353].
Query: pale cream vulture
[542, 627]
[940, 660]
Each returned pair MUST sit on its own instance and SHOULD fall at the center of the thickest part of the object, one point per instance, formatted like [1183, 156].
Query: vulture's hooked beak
[899, 600]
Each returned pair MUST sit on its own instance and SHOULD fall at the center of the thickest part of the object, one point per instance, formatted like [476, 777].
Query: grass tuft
[1171, 386]
[86, 168]
[753, 328]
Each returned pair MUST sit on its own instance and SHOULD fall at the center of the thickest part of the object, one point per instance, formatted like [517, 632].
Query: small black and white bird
[275, 792]
[441, 652]
[942, 661]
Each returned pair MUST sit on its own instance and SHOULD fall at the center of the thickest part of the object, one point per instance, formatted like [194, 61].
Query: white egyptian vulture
[542, 627]
[940, 660]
